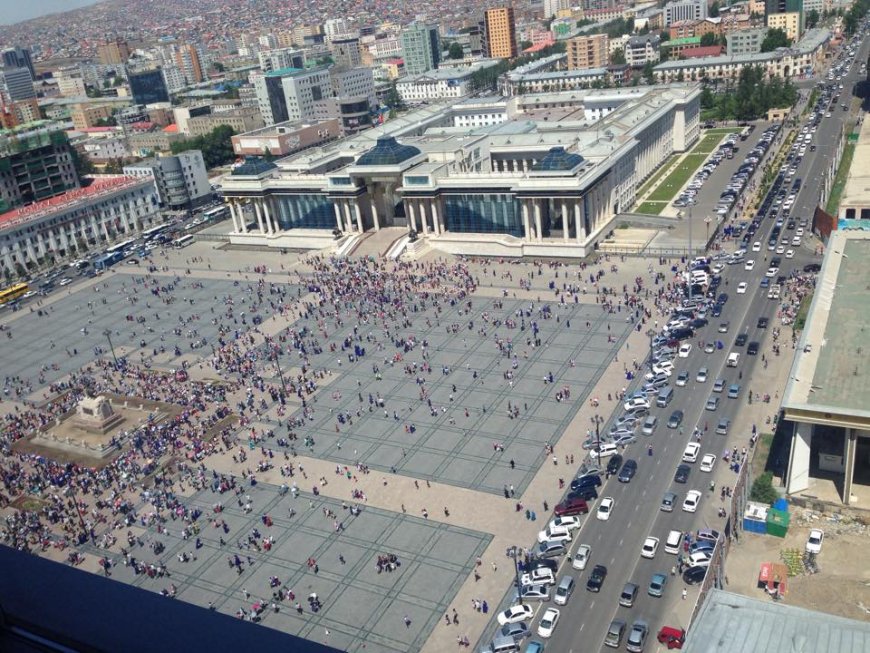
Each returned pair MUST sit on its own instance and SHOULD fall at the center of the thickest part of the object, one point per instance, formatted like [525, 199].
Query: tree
[649, 75]
[763, 490]
[525, 45]
[618, 57]
[393, 99]
[713, 12]
[455, 51]
[114, 167]
[812, 18]
[775, 38]
[216, 146]
[708, 39]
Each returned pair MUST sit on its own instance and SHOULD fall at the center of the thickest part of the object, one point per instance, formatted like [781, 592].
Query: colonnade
[264, 210]
[585, 214]
[431, 218]
[348, 216]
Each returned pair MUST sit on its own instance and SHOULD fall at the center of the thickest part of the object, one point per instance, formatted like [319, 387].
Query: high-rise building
[585, 52]
[421, 48]
[773, 7]
[35, 164]
[148, 87]
[70, 82]
[552, 6]
[291, 93]
[501, 33]
[181, 179]
[16, 84]
[346, 52]
[788, 21]
[18, 57]
[113, 52]
[281, 58]
[335, 28]
[686, 10]
[188, 60]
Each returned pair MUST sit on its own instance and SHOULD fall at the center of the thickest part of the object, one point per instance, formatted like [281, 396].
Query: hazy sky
[14, 11]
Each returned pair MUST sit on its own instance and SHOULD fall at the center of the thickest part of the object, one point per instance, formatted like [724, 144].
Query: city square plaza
[431, 476]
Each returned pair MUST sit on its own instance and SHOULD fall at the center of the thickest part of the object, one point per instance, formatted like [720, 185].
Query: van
[664, 397]
[564, 590]
[672, 544]
[733, 359]
[649, 425]
[607, 449]
[502, 644]
[629, 594]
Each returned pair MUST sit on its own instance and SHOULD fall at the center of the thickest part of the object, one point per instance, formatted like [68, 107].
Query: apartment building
[585, 52]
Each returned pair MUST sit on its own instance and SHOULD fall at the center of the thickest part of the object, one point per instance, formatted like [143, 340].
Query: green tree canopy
[216, 146]
[713, 12]
[455, 51]
[618, 57]
[812, 18]
[763, 490]
[775, 38]
[708, 39]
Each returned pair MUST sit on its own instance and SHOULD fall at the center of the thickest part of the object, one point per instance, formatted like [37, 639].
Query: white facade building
[685, 10]
[181, 179]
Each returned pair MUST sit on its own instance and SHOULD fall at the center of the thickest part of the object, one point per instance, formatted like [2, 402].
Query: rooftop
[732, 623]
[857, 190]
[830, 374]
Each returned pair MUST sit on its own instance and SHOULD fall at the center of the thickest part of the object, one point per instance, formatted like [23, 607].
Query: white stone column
[347, 218]
[337, 208]
[268, 216]
[424, 221]
[358, 213]
[259, 214]
[538, 236]
[105, 229]
[524, 206]
[8, 263]
[244, 220]
[566, 221]
[436, 217]
[375, 217]
[412, 214]
[579, 226]
[234, 214]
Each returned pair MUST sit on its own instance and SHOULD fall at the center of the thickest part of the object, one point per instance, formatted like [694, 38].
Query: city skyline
[16, 12]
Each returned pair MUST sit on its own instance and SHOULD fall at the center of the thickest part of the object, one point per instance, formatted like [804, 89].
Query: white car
[789, 253]
[799, 232]
[569, 522]
[814, 541]
[780, 249]
[665, 367]
[605, 509]
[772, 271]
[65, 281]
[636, 402]
[649, 548]
[749, 264]
[548, 623]
[515, 614]
[699, 559]
[693, 498]
[690, 455]
[685, 350]
[702, 375]
[557, 534]
[756, 246]
[581, 557]
[707, 462]
[741, 288]
[542, 575]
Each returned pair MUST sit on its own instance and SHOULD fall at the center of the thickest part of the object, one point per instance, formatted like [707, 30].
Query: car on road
[517, 631]
[756, 246]
[741, 339]
[613, 465]
[707, 462]
[763, 322]
[571, 507]
[515, 614]
[710, 347]
[752, 349]
[548, 623]
[539, 592]
[636, 639]
[624, 440]
[685, 350]
[657, 585]
[629, 469]
[772, 271]
[749, 265]
[723, 327]
[682, 379]
[690, 503]
[605, 509]
[650, 547]
[669, 500]
[672, 638]
[741, 288]
[708, 534]
[606, 450]
[719, 385]
[64, 282]
[637, 403]
[675, 419]
[690, 454]
[554, 534]
[694, 575]
[702, 545]
[581, 557]
[682, 473]
[701, 377]
[534, 646]
[734, 391]
[789, 253]
[814, 541]
[812, 267]
[712, 403]
[615, 631]
[571, 523]
[596, 578]
[699, 559]
[722, 426]
[538, 575]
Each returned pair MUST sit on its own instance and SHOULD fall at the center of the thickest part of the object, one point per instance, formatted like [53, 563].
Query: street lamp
[108, 334]
[598, 420]
[707, 222]
[513, 552]
[650, 334]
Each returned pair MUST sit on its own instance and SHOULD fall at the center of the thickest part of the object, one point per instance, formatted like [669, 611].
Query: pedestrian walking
[685, 593]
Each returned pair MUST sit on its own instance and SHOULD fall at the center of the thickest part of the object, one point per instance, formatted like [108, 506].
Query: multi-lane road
[616, 543]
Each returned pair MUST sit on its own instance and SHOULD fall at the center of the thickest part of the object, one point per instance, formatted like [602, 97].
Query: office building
[336, 28]
[86, 116]
[76, 222]
[70, 82]
[783, 7]
[181, 116]
[447, 82]
[585, 52]
[285, 138]
[421, 48]
[114, 51]
[148, 87]
[291, 93]
[16, 84]
[281, 58]
[17, 57]
[346, 52]
[240, 120]
[501, 33]
[789, 22]
[745, 41]
[685, 10]
[13, 114]
[181, 180]
[188, 59]
[520, 186]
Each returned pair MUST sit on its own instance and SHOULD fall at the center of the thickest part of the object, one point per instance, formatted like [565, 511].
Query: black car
[596, 578]
[682, 474]
[752, 350]
[717, 310]
[682, 333]
[537, 563]
[722, 298]
[614, 463]
[675, 419]
[741, 339]
[587, 493]
[762, 322]
[812, 267]
[698, 322]
[629, 469]
[694, 575]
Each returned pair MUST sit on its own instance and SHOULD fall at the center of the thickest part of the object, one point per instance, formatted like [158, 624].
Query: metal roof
[732, 623]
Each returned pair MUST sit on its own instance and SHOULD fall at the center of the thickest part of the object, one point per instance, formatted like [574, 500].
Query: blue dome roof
[387, 152]
[558, 160]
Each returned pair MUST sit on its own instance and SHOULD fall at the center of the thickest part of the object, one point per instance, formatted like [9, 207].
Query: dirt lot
[842, 586]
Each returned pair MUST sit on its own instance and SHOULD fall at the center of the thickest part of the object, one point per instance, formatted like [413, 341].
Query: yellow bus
[13, 292]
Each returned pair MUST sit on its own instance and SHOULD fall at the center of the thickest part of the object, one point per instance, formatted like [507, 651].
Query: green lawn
[833, 205]
[724, 131]
[663, 168]
[678, 177]
[651, 208]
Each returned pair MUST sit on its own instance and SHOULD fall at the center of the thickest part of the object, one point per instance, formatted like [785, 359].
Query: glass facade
[484, 214]
[305, 212]
[148, 87]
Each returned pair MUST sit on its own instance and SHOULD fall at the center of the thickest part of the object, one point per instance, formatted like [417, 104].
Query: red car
[572, 507]
[672, 637]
